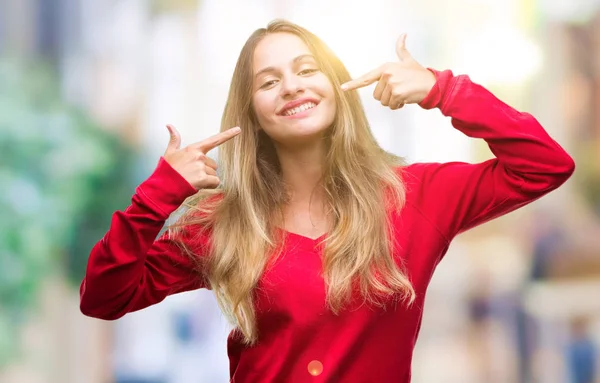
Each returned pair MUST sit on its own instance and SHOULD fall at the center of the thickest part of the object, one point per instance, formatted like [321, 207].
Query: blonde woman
[317, 243]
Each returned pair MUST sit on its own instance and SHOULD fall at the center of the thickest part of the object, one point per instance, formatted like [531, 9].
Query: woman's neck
[302, 171]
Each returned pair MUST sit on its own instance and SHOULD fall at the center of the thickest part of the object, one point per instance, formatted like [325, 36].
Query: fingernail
[344, 86]
[237, 129]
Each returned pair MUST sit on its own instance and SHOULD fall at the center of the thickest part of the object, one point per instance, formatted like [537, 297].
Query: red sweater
[128, 270]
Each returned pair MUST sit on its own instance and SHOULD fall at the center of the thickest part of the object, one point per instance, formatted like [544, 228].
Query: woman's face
[293, 100]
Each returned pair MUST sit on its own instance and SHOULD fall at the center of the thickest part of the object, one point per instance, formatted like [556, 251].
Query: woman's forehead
[278, 50]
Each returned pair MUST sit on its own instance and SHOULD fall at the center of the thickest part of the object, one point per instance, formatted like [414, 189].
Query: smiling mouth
[299, 109]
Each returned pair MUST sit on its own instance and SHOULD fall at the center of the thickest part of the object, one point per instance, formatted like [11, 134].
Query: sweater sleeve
[129, 268]
[528, 163]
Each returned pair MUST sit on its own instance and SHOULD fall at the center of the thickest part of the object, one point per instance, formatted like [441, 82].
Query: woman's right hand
[192, 163]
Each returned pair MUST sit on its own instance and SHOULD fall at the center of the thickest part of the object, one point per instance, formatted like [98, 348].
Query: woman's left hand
[398, 83]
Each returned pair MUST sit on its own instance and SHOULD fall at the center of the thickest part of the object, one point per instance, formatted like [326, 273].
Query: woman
[318, 244]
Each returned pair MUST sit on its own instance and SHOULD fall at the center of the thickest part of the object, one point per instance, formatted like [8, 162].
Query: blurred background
[87, 87]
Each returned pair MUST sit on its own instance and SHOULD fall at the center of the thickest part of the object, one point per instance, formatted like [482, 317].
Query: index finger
[364, 80]
[216, 140]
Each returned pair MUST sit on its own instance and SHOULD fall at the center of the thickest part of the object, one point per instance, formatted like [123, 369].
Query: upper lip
[295, 103]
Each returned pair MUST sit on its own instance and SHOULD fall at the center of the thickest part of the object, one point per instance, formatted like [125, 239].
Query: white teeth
[301, 108]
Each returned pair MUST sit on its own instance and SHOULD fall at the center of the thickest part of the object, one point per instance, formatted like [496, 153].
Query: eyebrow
[295, 60]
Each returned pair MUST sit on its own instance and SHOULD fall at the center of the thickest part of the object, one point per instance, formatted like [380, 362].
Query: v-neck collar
[299, 238]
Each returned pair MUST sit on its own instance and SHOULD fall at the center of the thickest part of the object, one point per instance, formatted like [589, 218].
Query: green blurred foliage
[61, 178]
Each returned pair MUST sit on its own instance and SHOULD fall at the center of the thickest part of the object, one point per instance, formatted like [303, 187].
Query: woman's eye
[308, 71]
[268, 84]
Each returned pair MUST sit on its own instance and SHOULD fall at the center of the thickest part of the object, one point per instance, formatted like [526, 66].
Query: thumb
[174, 139]
[401, 50]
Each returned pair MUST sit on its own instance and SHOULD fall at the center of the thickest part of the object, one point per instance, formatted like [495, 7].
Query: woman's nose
[291, 85]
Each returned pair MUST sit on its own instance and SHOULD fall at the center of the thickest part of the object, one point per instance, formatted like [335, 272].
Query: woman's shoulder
[423, 180]
[412, 173]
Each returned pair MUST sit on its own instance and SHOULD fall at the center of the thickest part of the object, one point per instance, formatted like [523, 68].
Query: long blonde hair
[361, 183]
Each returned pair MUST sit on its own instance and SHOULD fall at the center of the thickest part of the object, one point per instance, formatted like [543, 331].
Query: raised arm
[129, 268]
[458, 196]
[528, 163]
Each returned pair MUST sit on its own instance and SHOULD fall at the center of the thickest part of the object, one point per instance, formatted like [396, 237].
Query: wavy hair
[362, 186]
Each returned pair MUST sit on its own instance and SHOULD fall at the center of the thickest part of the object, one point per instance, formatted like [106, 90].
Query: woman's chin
[305, 128]
[301, 137]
